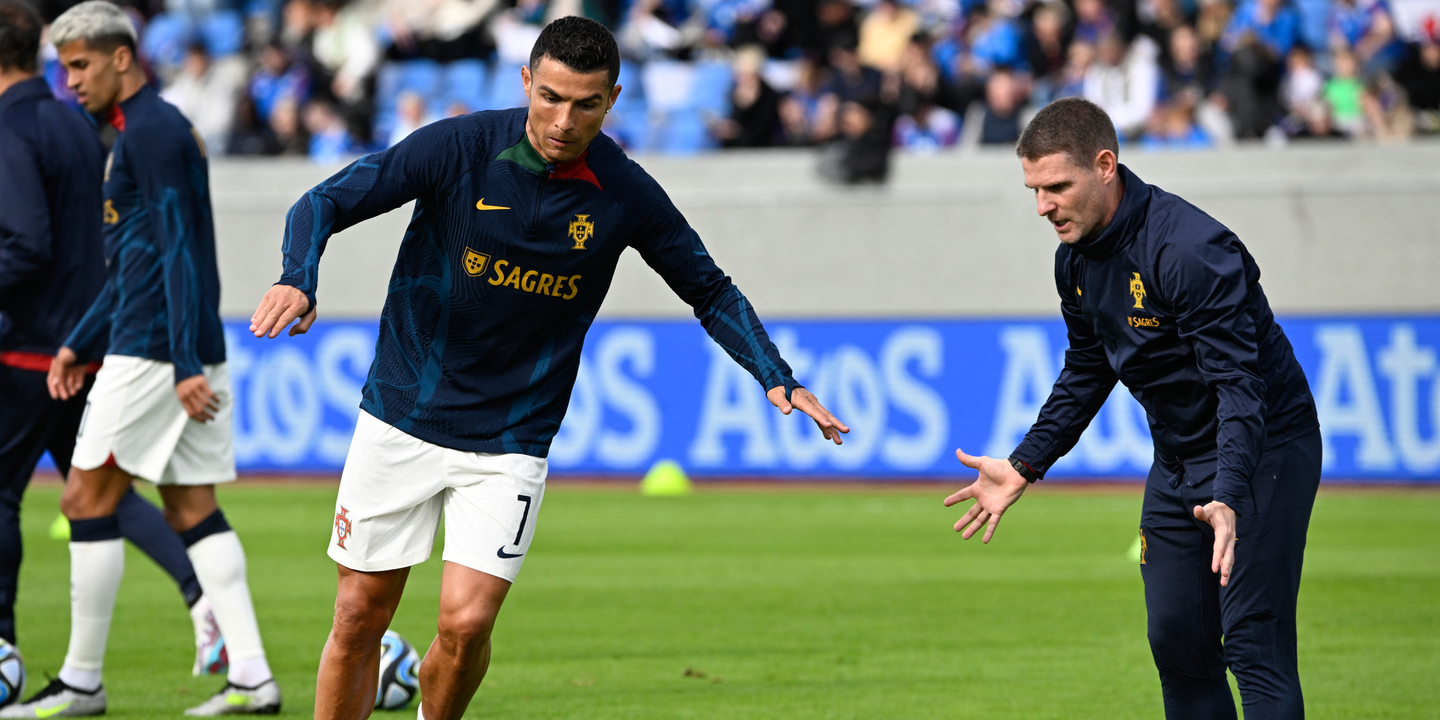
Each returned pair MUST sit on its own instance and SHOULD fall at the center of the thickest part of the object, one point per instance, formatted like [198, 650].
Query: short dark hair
[19, 36]
[580, 44]
[1074, 126]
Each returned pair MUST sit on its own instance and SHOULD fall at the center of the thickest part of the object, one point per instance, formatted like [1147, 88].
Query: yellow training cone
[665, 479]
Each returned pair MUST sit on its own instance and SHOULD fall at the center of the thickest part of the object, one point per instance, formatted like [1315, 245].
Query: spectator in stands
[330, 141]
[205, 92]
[441, 30]
[1124, 82]
[1158, 20]
[1045, 49]
[1094, 20]
[249, 134]
[1388, 116]
[1273, 23]
[344, 45]
[808, 114]
[772, 30]
[884, 35]
[1342, 93]
[410, 115]
[929, 128]
[1419, 75]
[838, 26]
[993, 39]
[1174, 128]
[1300, 92]
[850, 80]
[278, 78]
[1078, 59]
[755, 116]
[996, 120]
[1250, 86]
[1365, 28]
[289, 132]
[653, 28]
[1185, 66]
[862, 154]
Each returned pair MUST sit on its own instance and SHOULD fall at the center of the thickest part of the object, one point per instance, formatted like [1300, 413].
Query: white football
[12, 673]
[399, 673]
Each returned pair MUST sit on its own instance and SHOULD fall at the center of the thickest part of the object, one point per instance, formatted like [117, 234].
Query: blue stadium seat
[682, 132]
[505, 88]
[166, 38]
[465, 83]
[710, 91]
[223, 32]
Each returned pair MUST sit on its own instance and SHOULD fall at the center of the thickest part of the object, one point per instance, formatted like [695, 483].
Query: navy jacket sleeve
[425, 162]
[24, 217]
[91, 332]
[673, 249]
[1084, 384]
[1207, 287]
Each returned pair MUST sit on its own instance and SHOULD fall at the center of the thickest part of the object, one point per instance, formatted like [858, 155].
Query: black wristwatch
[1025, 470]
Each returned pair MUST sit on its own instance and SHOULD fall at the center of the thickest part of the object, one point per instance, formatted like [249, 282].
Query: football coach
[1158, 295]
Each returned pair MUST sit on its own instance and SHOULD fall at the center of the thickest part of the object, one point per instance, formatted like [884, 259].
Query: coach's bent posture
[1160, 296]
[520, 217]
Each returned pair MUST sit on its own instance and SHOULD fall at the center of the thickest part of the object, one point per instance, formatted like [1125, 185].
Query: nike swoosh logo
[482, 206]
[504, 555]
[52, 712]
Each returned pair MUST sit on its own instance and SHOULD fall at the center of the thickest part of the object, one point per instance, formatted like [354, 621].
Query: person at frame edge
[1160, 296]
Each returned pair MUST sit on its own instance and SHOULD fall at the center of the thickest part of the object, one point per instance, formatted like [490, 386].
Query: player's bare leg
[350, 665]
[90, 494]
[456, 662]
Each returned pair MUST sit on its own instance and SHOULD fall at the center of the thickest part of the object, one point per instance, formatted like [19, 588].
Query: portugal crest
[1137, 289]
[475, 263]
[342, 527]
[581, 229]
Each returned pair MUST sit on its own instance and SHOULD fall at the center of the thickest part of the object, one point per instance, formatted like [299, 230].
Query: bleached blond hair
[98, 23]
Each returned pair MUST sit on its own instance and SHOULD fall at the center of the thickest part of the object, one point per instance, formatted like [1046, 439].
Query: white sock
[220, 566]
[420, 713]
[95, 572]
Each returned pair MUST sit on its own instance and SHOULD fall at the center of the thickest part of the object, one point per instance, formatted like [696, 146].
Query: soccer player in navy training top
[1158, 295]
[160, 407]
[52, 265]
[521, 216]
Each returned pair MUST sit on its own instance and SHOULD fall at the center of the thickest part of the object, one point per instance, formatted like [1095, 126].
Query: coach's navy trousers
[1197, 628]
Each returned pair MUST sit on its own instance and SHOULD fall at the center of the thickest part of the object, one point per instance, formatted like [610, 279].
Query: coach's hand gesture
[65, 377]
[281, 305]
[1222, 518]
[805, 401]
[997, 488]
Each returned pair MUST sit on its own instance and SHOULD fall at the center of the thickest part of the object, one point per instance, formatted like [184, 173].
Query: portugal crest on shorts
[342, 527]
[581, 229]
[475, 263]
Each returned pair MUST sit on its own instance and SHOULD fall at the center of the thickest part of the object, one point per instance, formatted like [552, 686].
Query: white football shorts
[395, 487]
[133, 415]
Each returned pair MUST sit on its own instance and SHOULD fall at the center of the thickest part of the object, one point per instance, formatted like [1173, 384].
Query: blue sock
[142, 524]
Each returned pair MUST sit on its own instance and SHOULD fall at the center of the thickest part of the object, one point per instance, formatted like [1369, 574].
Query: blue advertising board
[912, 392]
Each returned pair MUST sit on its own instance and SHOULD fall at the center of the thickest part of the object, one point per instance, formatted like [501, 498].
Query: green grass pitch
[816, 603]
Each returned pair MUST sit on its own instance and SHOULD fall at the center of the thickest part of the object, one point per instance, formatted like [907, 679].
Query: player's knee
[468, 626]
[360, 618]
[1182, 647]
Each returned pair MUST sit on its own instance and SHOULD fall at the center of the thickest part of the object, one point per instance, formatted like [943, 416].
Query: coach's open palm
[997, 488]
[281, 306]
[806, 402]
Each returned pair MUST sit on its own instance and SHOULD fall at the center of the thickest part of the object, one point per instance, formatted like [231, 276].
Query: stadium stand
[332, 78]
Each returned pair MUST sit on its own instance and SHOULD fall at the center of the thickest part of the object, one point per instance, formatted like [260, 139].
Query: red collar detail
[117, 118]
[576, 170]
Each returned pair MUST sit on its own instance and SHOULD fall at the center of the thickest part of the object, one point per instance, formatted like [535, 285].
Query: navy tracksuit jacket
[1168, 301]
[500, 274]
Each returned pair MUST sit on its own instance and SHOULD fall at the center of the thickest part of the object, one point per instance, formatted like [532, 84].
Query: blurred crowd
[335, 78]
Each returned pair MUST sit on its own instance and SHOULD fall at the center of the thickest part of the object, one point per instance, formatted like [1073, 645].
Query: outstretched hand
[805, 401]
[997, 488]
[281, 306]
[1222, 518]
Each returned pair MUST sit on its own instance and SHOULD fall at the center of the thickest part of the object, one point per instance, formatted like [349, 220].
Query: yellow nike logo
[482, 206]
[52, 712]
